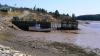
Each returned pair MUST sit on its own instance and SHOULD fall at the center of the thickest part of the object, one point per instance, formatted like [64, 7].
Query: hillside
[89, 17]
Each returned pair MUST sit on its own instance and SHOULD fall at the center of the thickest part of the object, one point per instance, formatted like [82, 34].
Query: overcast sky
[78, 7]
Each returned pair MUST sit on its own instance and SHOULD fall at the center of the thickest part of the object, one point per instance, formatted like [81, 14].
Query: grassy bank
[55, 48]
[5, 36]
[69, 49]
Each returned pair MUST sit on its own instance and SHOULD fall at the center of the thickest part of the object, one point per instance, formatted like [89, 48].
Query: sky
[78, 7]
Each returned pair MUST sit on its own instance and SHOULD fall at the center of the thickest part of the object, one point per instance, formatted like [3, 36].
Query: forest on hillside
[89, 17]
[54, 14]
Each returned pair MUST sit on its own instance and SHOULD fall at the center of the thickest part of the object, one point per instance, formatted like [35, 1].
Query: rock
[6, 51]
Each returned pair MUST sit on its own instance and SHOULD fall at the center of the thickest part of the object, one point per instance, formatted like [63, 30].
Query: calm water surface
[89, 35]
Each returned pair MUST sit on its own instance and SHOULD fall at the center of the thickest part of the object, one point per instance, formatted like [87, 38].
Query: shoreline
[34, 43]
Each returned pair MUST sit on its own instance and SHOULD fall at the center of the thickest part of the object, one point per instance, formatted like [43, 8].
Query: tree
[0, 5]
[43, 10]
[56, 14]
[6, 5]
[34, 8]
[67, 15]
[73, 17]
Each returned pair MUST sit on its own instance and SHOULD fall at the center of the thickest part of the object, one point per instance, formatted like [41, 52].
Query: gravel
[7, 51]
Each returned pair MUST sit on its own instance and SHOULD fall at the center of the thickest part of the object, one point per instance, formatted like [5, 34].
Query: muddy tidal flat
[88, 35]
[57, 43]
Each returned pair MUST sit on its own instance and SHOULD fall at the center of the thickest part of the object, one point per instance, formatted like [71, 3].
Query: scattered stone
[6, 51]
